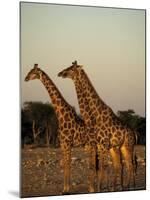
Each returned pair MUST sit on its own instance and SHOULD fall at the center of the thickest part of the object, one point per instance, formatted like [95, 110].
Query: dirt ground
[42, 174]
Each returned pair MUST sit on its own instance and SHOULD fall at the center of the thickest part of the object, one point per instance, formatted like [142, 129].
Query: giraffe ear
[75, 63]
[35, 66]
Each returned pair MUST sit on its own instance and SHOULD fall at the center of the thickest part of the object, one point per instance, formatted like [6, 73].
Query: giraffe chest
[74, 136]
[79, 136]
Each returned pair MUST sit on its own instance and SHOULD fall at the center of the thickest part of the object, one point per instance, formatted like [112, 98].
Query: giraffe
[72, 129]
[112, 135]
[89, 120]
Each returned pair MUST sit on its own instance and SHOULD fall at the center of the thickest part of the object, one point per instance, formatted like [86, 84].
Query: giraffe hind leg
[127, 153]
[117, 165]
[134, 166]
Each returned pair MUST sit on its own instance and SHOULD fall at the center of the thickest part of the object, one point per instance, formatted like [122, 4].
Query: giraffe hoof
[125, 188]
[65, 193]
[91, 190]
[98, 189]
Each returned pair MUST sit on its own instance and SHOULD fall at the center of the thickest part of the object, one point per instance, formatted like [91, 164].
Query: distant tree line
[135, 122]
[39, 125]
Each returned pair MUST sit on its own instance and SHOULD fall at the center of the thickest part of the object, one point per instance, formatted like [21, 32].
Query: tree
[135, 122]
[141, 128]
[43, 122]
[26, 129]
[36, 132]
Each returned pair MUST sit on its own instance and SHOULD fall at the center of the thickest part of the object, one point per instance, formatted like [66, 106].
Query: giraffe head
[71, 72]
[33, 74]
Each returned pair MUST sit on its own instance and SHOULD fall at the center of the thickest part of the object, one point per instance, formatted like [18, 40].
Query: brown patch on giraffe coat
[106, 124]
[90, 112]
[69, 125]
[72, 131]
[105, 112]
[86, 108]
[99, 137]
[113, 129]
[66, 117]
[93, 121]
[110, 123]
[118, 133]
[110, 135]
[70, 137]
[82, 106]
[86, 116]
[102, 134]
[92, 130]
[83, 95]
[61, 120]
[65, 125]
[93, 96]
[105, 118]
[117, 127]
[121, 128]
[62, 137]
[58, 102]
[103, 127]
[54, 100]
[62, 110]
[66, 132]
[109, 129]
[61, 127]
[106, 132]
[81, 101]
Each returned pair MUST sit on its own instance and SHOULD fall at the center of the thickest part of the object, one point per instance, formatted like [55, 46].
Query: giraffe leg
[92, 168]
[117, 165]
[128, 157]
[103, 164]
[134, 167]
[66, 165]
[100, 172]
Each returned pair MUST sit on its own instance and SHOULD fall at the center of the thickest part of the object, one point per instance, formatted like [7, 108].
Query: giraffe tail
[135, 163]
[97, 162]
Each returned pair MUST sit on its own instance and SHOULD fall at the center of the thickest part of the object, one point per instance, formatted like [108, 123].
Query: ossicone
[35, 66]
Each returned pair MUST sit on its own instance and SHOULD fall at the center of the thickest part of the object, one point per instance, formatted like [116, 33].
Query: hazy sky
[109, 43]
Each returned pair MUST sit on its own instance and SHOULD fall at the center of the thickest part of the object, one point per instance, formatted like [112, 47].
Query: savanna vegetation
[39, 125]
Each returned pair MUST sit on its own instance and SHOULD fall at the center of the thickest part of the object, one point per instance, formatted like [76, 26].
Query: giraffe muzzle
[26, 79]
[62, 74]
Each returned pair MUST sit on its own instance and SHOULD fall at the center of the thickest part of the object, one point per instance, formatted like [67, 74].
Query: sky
[108, 42]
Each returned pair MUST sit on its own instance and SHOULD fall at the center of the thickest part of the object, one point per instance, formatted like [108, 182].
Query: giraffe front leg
[99, 173]
[101, 170]
[102, 167]
[92, 166]
[66, 165]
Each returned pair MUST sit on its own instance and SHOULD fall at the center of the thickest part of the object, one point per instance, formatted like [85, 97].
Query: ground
[42, 174]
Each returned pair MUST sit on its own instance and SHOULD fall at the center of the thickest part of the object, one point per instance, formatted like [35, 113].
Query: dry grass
[42, 174]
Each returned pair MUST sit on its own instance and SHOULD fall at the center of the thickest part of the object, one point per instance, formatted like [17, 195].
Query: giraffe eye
[65, 74]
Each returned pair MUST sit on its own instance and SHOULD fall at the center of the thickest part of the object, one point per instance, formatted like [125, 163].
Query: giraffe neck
[57, 99]
[66, 115]
[88, 87]
[82, 101]
[93, 99]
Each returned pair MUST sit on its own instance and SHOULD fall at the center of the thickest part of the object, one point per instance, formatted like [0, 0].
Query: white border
[9, 97]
